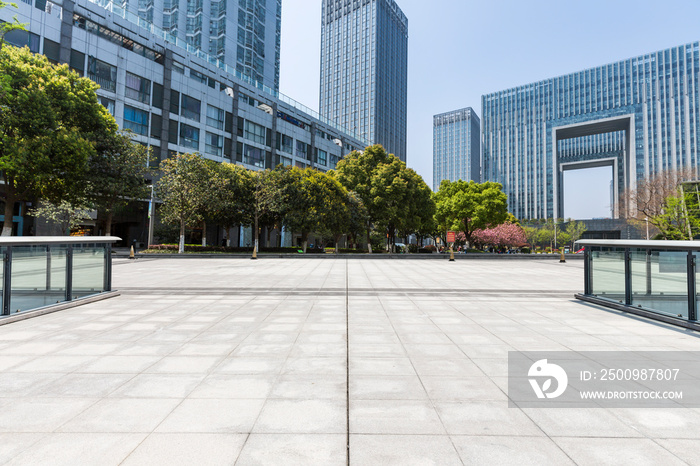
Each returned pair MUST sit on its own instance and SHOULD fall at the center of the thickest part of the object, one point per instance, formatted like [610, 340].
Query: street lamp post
[151, 218]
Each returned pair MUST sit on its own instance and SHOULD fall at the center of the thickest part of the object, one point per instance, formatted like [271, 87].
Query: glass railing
[644, 277]
[155, 30]
[41, 271]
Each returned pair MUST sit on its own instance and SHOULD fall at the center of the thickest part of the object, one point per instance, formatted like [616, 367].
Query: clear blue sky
[462, 49]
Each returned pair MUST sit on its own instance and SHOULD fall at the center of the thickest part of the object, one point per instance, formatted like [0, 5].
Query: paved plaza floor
[302, 361]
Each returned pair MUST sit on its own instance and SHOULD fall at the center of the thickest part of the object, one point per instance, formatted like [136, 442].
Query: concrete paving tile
[597, 451]
[314, 386]
[184, 365]
[377, 351]
[119, 364]
[381, 366]
[685, 449]
[71, 449]
[81, 385]
[580, 422]
[213, 416]
[48, 363]
[235, 386]
[315, 365]
[187, 449]
[147, 349]
[40, 414]
[293, 450]
[250, 365]
[485, 418]
[425, 351]
[158, 386]
[122, 415]
[21, 384]
[13, 444]
[534, 451]
[461, 367]
[293, 416]
[658, 423]
[394, 417]
[405, 450]
[377, 387]
[462, 389]
[304, 350]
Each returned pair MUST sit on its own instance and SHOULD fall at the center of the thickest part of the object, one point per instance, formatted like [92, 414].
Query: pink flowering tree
[503, 235]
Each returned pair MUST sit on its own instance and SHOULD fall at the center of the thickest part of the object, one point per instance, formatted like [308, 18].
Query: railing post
[108, 267]
[587, 271]
[628, 278]
[48, 267]
[648, 272]
[7, 281]
[69, 273]
[692, 299]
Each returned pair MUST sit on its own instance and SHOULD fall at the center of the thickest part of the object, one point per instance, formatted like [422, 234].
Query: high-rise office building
[244, 34]
[173, 99]
[456, 147]
[639, 116]
[364, 70]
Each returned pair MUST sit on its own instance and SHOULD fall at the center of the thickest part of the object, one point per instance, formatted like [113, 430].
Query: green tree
[575, 229]
[5, 27]
[182, 188]
[230, 204]
[355, 171]
[469, 206]
[64, 214]
[50, 125]
[302, 202]
[676, 221]
[117, 174]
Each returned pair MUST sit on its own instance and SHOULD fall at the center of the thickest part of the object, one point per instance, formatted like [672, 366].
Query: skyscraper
[456, 147]
[639, 116]
[244, 34]
[364, 70]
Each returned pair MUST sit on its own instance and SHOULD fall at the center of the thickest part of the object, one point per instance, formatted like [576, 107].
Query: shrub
[413, 248]
[525, 250]
[428, 249]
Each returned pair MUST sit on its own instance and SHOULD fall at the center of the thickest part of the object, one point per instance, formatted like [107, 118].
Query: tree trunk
[108, 223]
[337, 243]
[255, 235]
[304, 240]
[204, 232]
[9, 211]
[369, 243]
[181, 247]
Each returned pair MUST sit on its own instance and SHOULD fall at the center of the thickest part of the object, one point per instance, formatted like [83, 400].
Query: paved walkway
[274, 361]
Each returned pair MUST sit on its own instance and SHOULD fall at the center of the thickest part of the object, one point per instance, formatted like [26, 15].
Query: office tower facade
[244, 34]
[174, 100]
[640, 116]
[456, 146]
[364, 70]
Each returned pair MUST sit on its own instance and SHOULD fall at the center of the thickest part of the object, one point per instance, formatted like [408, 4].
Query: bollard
[452, 255]
[255, 254]
[131, 253]
[562, 258]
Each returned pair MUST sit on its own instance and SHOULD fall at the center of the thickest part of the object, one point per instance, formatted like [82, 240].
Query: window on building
[189, 136]
[77, 62]
[254, 132]
[214, 144]
[321, 156]
[138, 88]
[103, 74]
[20, 38]
[285, 143]
[254, 156]
[172, 132]
[157, 96]
[191, 107]
[156, 125]
[301, 149]
[107, 103]
[215, 117]
[52, 50]
[136, 120]
[174, 102]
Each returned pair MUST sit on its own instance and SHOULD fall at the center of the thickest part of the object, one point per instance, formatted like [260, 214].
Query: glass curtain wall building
[456, 147]
[244, 34]
[364, 70]
[639, 116]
